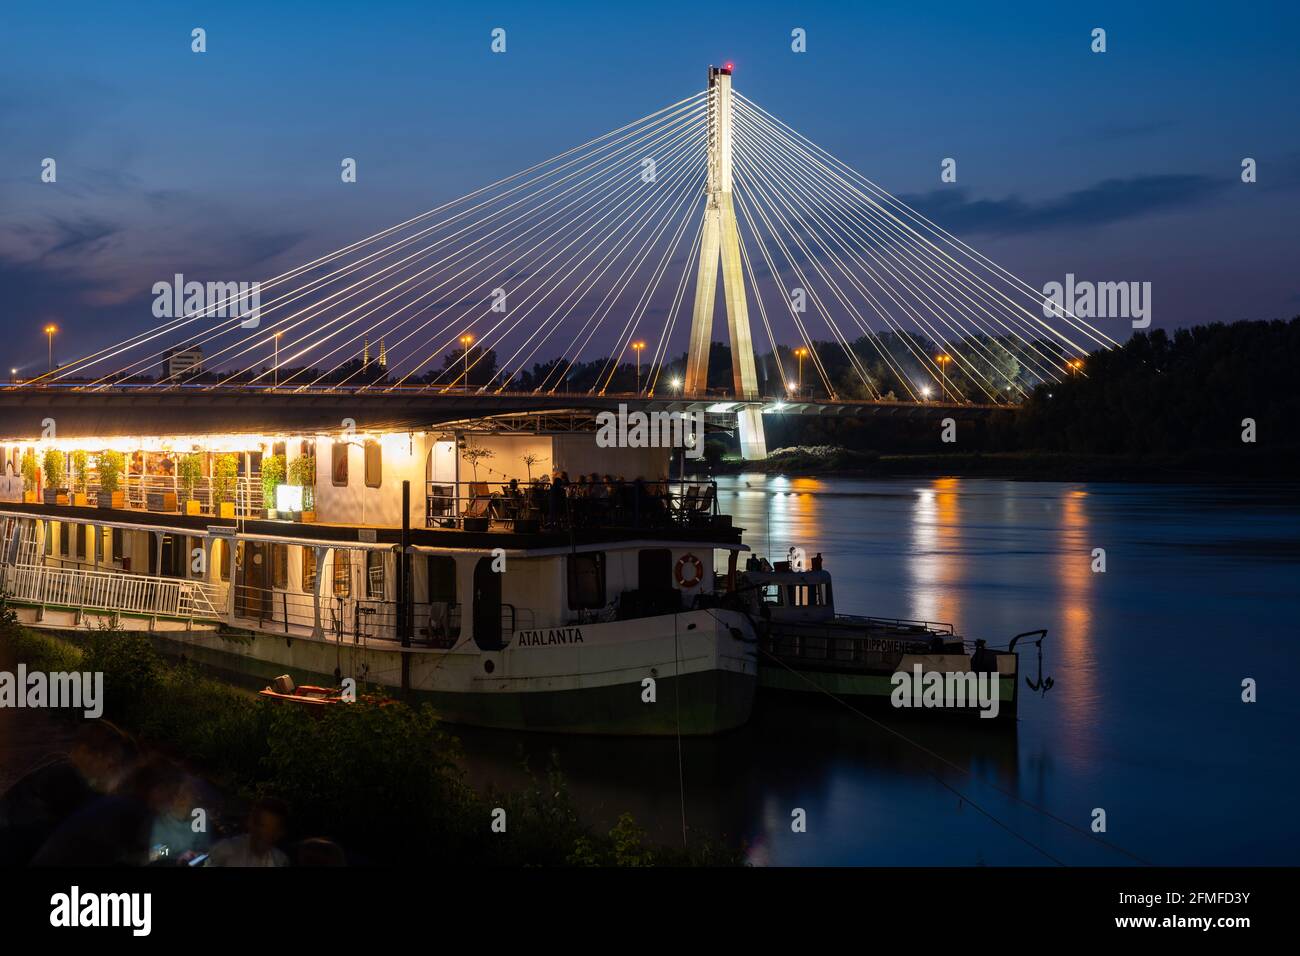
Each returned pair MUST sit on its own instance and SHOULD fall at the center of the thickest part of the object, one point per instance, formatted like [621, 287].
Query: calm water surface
[1145, 721]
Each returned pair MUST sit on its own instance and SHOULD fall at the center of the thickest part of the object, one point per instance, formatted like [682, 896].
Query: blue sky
[1115, 166]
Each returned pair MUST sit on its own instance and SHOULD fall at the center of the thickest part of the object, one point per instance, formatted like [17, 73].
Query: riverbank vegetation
[1213, 401]
[382, 780]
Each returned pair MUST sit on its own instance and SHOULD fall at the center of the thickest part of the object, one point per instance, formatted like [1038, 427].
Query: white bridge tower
[720, 243]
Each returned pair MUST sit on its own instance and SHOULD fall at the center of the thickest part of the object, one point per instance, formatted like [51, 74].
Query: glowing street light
[799, 354]
[1075, 366]
[466, 341]
[925, 392]
[49, 338]
[637, 347]
[943, 361]
[676, 383]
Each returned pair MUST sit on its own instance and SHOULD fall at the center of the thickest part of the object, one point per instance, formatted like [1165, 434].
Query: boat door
[251, 558]
[487, 606]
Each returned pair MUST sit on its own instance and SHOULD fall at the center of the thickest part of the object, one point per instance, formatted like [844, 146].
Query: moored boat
[808, 648]
[563, 606]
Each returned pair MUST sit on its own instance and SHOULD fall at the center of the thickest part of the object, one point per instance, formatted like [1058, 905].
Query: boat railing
[897, 623]
[545, 505]
[165, 494]
[134, 594]
[345, 617]
[358, 620]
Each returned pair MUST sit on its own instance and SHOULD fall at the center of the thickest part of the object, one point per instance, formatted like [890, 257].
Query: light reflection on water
[1145, 719]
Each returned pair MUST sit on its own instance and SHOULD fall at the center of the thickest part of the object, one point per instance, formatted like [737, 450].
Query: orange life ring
[684, 560]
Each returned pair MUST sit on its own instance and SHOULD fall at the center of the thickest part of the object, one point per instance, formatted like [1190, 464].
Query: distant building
[365, 353]
[187, 360]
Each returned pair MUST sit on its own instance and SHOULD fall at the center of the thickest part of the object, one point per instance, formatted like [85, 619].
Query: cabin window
[771, 594]
[375, 575]
[309, 569]
[102, 546]
[587, 580]
[118, 548]
[441, 571]
[79, 541]
[339, 464]
[342, 574]
[801, 595]
[277, 448]
[63, 537]
[279, 565]
[654, 569]
[307, 448]
[374, 463]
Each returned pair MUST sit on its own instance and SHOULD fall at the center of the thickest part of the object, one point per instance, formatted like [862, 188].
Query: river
[1145, 722]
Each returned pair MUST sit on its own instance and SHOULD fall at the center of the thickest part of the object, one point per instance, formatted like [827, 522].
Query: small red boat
[284, 690]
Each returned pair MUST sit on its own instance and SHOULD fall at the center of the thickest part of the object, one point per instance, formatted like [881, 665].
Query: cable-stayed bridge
[543, 290]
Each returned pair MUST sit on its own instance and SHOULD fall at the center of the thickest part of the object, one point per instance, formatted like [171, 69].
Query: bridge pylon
[720, 244]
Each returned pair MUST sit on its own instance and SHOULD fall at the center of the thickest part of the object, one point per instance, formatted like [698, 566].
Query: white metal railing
[112, 591]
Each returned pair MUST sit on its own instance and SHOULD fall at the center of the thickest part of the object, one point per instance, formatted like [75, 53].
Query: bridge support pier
[753, 441]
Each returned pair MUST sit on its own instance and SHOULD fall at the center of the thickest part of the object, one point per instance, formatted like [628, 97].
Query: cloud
[1106, 202]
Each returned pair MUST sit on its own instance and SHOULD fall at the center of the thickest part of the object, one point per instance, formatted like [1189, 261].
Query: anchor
[1043, 684]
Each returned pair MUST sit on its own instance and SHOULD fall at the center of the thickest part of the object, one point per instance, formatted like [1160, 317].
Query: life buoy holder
[696, 579]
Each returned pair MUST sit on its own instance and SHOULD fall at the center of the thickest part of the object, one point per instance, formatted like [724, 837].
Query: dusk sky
[1119, 166]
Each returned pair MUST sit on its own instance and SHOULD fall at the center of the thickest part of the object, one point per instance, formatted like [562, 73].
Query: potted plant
[80, 477]
[31, 475]
[302, 473]
[224, 470]
[475, 454]
[529, 461]
[528, 520]
[55, 468]
[189, 471]
[272, 478]
[111, 466]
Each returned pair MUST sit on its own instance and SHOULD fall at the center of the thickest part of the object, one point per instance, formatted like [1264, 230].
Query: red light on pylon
[728, 67]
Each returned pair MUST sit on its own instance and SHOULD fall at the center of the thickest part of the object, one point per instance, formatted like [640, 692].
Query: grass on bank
[381, 780]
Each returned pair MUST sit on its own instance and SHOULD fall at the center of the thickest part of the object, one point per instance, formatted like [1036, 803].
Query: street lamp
[943, 361]
[676, 383]
[49, 338]
[799, 354]
[1074, 365]
[637, 347]
[925, 392]
[466, 341]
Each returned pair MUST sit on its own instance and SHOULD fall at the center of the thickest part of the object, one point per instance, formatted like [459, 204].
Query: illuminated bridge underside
[75, 414]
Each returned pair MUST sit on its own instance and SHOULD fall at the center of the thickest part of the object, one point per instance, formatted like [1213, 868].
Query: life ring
[682, 562]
